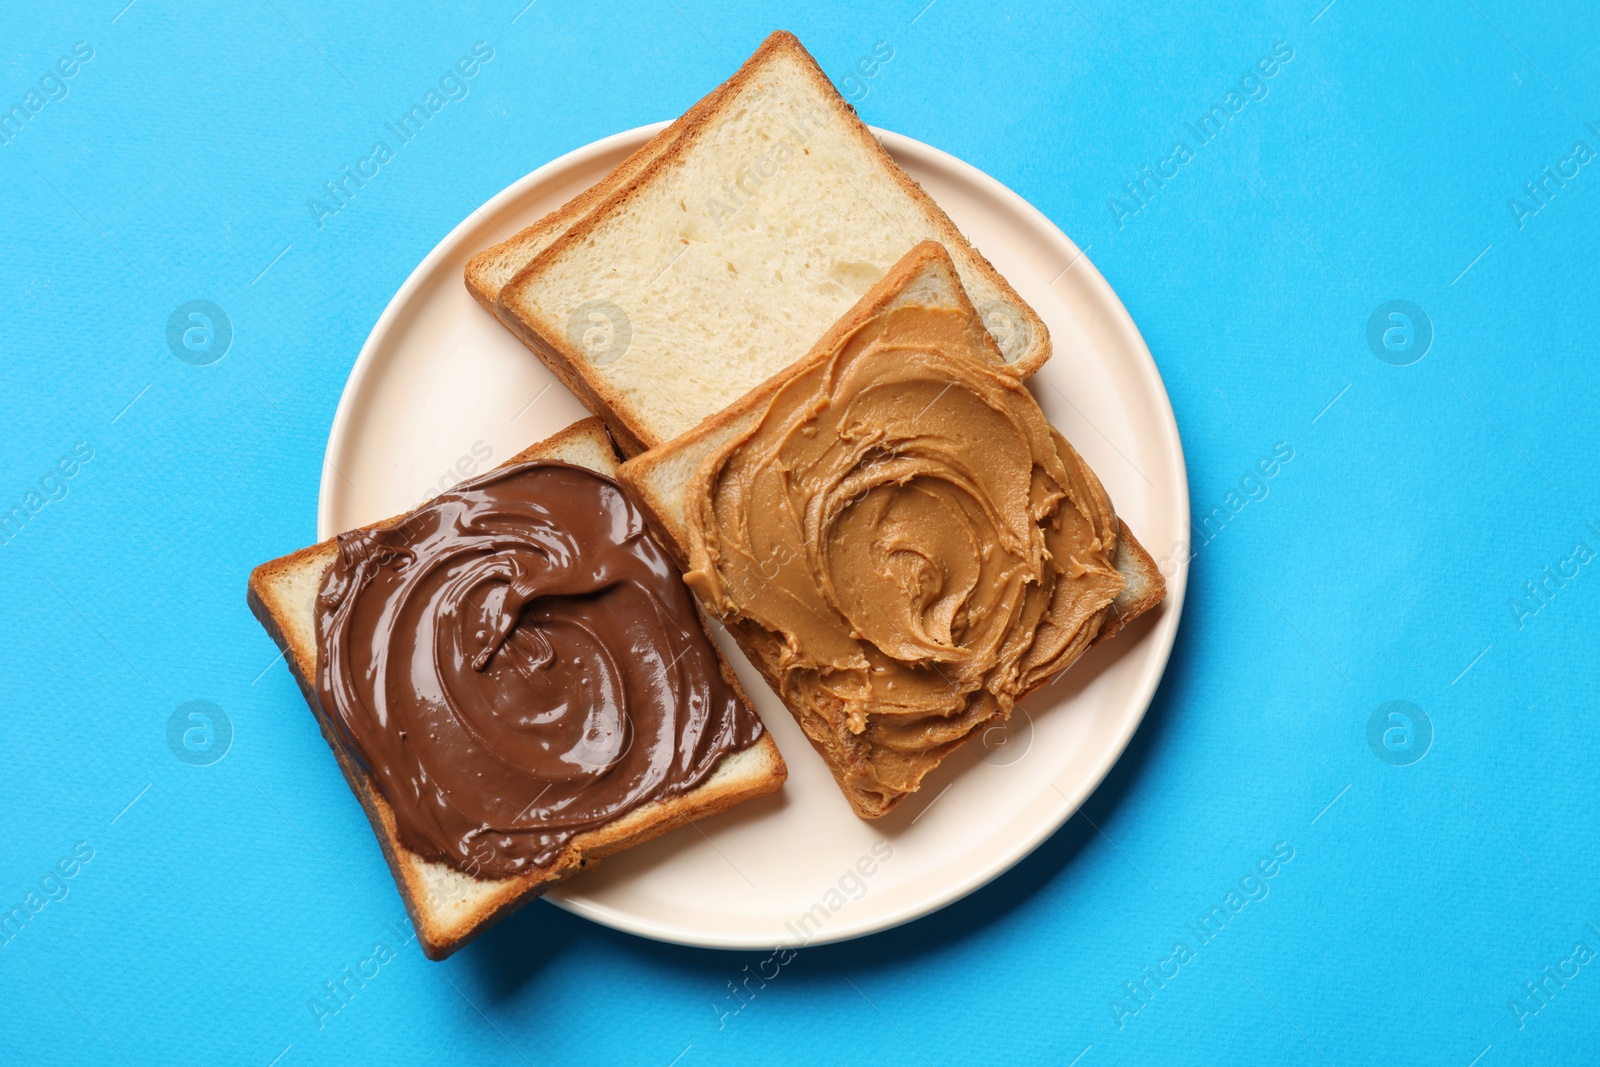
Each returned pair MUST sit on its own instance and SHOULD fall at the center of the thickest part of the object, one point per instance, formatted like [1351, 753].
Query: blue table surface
[1432, 541]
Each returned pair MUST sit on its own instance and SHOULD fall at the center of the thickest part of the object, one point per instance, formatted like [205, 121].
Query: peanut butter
[919, 543]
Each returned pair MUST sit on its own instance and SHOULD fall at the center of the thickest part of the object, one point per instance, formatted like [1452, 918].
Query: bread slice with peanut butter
[896, 623]
[450, 905]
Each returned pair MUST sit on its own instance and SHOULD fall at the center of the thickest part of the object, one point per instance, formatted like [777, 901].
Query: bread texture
[661, 480]
[719, 253]
[447, 906]
[489, 270]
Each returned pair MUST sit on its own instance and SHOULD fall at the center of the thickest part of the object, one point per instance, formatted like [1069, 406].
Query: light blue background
[1380, 566]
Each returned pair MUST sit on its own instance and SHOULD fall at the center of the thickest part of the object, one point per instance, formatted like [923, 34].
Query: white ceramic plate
[441, 391]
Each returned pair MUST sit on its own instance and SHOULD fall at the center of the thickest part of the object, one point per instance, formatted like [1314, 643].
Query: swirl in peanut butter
[917, 543]
[518, 662]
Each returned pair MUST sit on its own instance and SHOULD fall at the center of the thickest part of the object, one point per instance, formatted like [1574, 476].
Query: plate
[442, 391]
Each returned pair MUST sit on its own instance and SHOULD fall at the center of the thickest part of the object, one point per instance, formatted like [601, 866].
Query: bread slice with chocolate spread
[449, 906]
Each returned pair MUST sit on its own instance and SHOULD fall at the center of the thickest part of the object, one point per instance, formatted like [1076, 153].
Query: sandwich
[894, 534]
[514, 682]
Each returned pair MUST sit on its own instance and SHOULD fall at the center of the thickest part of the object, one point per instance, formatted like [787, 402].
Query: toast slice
[661, 479]
[721, 260]
[489, 270]
[447, 906]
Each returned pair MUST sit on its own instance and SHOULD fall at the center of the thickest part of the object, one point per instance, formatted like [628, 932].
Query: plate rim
[1164, 632]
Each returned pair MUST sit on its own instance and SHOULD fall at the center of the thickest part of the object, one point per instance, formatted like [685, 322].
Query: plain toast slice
[447, 906]
[721, 260]
[489, 270]
[660, 480]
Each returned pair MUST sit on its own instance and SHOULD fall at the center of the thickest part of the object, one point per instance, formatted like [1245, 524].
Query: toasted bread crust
[548, 341]
[1132, 558]
[438, 937]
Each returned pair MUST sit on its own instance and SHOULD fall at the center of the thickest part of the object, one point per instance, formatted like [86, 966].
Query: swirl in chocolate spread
[518, 662]
[922, 547]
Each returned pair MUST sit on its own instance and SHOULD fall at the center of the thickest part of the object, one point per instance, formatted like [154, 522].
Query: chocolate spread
[923, 546]
[517, 662]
